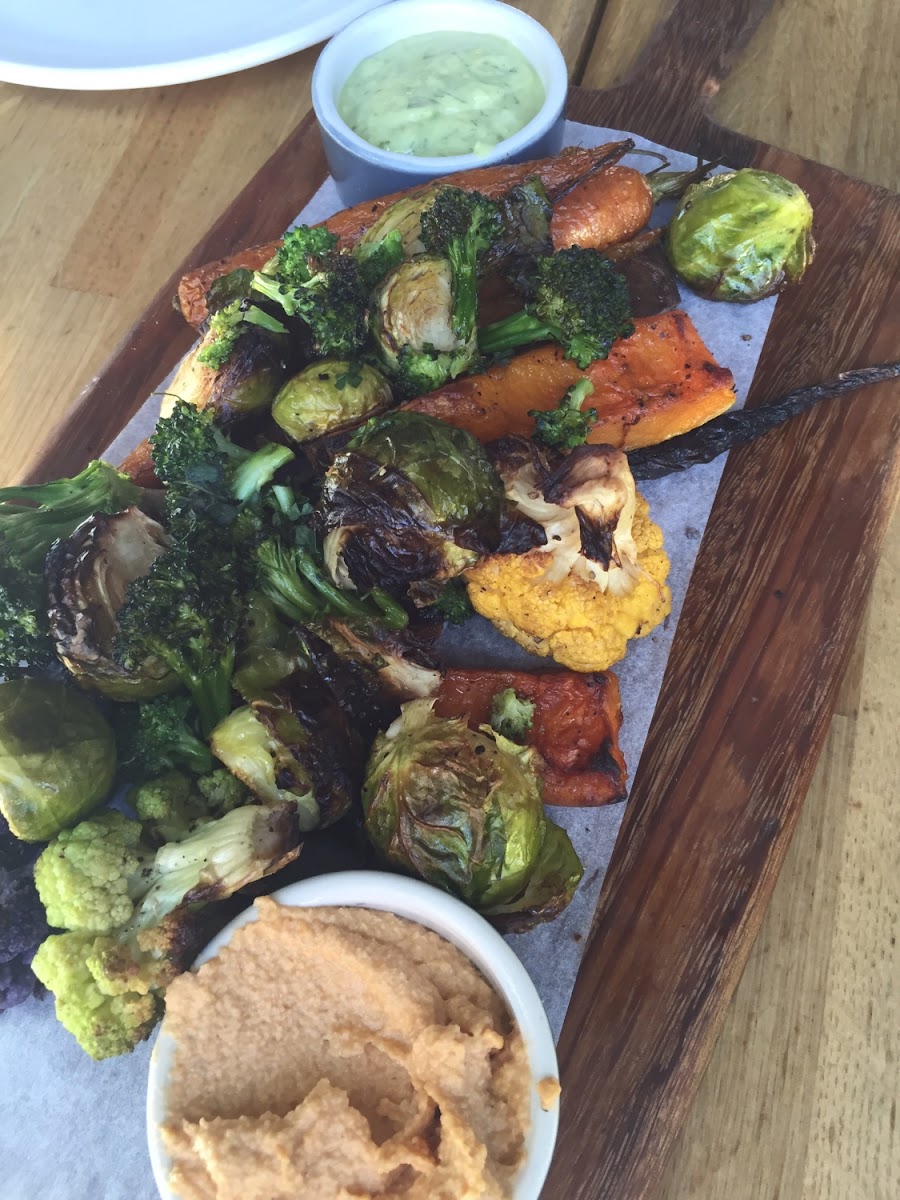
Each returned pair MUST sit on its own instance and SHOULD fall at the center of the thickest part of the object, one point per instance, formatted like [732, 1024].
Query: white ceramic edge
[188, 70]
[447, 916]
[337, 60]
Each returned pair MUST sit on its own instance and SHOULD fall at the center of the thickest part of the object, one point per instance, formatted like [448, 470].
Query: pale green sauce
[444, 93]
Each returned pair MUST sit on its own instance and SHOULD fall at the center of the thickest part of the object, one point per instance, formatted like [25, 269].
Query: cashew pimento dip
[333, 1053]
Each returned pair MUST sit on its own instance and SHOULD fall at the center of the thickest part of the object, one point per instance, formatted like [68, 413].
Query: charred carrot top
[557, 174]
[575, 728]
[660, 382]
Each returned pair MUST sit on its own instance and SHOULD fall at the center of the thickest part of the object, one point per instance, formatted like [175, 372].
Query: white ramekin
[447, 916]
[361, 170]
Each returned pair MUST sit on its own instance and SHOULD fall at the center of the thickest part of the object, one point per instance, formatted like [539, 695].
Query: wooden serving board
[772, 612]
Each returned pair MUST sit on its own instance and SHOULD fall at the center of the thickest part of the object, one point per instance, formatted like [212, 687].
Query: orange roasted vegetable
[575, 727]
[606, 208]
[660, 382]
[557, 175]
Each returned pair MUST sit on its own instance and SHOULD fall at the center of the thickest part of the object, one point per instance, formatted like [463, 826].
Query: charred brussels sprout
[411, 502]
[404, 216]
[463, 810]
[303, 755]
[57, 757]
[87, 577]
[742, 235]
[244, 382]
[329, 395]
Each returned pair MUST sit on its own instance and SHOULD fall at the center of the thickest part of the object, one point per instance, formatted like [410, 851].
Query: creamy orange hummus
[340, 1053]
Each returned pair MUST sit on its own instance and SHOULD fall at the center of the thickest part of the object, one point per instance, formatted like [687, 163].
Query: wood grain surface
[101, 195]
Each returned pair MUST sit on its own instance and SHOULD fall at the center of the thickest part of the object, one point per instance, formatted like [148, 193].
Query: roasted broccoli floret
[89, 877]
[225, 327]
[25, 646]
[461, 226]
[309, 279]
[33, 516]
[578, 301]
[172, 806]
[453, 604]
[567, 425]
[511, 715]
[377, 258]
[203, 471]
[298, 586]
[186, 611]
[158, 735]
[420, 371]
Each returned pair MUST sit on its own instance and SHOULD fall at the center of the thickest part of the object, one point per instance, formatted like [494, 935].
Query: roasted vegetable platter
[638, 701]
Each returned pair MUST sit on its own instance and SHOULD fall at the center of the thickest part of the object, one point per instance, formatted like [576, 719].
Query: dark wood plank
[771, 615]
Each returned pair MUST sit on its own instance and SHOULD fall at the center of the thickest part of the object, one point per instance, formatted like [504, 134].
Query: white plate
[103, 44]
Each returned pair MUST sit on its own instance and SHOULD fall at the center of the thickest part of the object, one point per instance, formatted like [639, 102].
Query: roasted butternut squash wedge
[658, 383]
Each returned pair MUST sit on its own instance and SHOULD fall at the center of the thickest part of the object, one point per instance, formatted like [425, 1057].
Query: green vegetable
[742, 235]
[105, 875]
[158, 735]
[57, 757]
[172, 805]
[265, 762]
[461, 226]
[415, 329]
[225, 327]
[108, 1013]
[87, 576]
[186, 612]
[412, 501]
[511, 715]
[568, 425]
[328, 395]
[525, 213]
[89, 877]
[33, 516]
[463, 810]
[376, 258]
[310, 280]
[578, 300]
[25, 647]
[453, 604]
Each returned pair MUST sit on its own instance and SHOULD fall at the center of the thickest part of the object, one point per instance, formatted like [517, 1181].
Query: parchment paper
[72, 1129]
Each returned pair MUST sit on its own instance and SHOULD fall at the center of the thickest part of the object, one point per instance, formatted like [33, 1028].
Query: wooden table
[101, 194]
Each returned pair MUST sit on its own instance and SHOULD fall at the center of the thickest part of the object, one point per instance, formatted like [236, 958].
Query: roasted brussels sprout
[405, 216]
[57, 757]
[88, 574]
[247, 382]
[303, 755]
[411, 502]
[413, 326]
[742, 235]
[463, 810]
[329, 395]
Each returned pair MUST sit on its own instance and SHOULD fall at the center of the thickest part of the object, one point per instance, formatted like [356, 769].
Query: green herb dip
[442, 93]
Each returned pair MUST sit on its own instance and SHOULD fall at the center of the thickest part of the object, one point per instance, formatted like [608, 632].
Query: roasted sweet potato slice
[660, 382]
[575, 729]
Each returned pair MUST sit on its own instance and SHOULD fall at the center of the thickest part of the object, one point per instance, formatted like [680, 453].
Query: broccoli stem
[393, 615]
[520, 329]
[255, 472]
[280, 581]
[210, 689]
[465, 290]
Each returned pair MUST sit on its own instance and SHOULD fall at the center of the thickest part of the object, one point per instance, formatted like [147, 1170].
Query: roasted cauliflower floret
[600, 579]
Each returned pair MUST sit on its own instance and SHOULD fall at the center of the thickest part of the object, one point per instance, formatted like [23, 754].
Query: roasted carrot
[660, 382]
[575, 727]
[608, 207]
[139, 466]
[557, 174]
